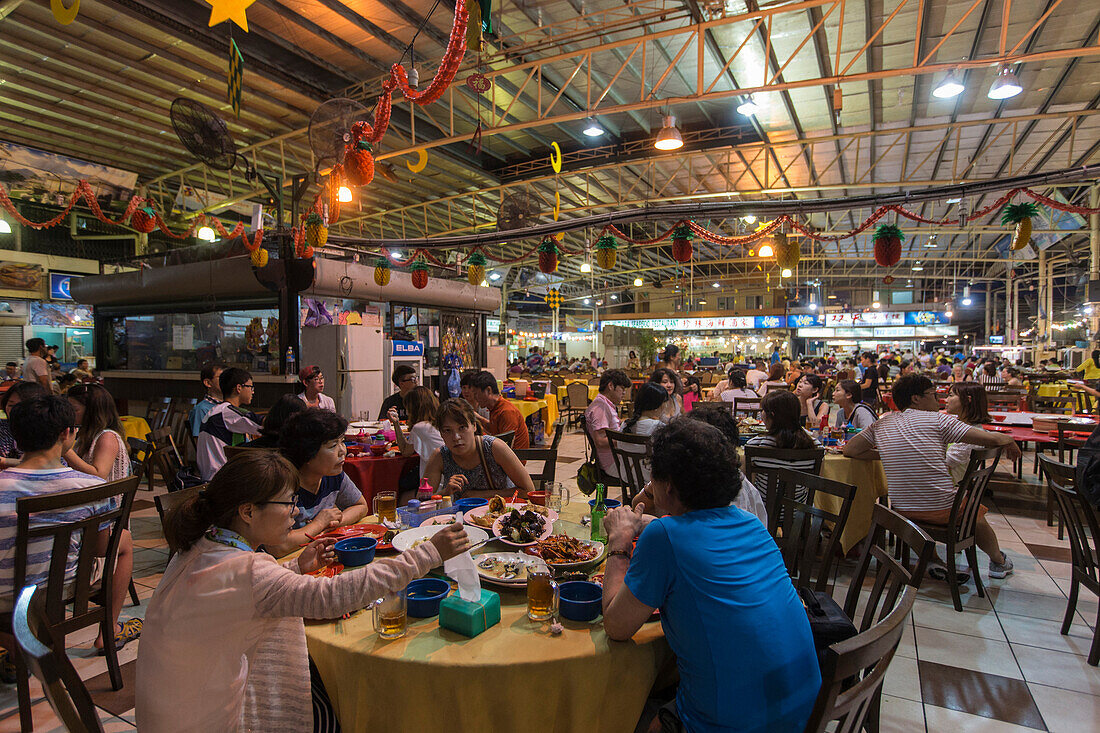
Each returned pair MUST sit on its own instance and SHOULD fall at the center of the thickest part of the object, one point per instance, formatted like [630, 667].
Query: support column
[988, 297]
[1094, 254]
[1015, 312]
[1008, 306]
[1043, 323]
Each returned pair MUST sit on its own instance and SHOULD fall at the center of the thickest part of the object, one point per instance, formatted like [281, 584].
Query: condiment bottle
[424, 493]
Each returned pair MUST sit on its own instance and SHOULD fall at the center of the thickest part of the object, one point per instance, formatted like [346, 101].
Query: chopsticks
[485, 541]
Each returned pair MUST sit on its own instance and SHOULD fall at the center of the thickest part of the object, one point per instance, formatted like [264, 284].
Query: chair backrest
[1008, 402]
[549, 457]
[166, 457]
[576, 395]
[1053, 405]
[1079, 517]
[139, 451]
[632, 454]
[1084, 402]
[744, 407]
[559, 428]
[864, 657]
[60, 536]
[713, 405]
[507, 437]
[167, 502]
[1069, 440]
[808, 552]
[890, 575]
[45, 657]
[156, 406]
[972, 488]
[761, 468]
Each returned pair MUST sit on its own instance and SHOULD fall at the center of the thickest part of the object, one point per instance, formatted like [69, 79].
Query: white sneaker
[1000, 569]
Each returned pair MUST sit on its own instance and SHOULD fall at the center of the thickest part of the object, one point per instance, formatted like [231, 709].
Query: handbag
[588, 475]
[828, 622]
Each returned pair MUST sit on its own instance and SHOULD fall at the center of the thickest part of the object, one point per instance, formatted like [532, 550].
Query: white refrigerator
[351, 359]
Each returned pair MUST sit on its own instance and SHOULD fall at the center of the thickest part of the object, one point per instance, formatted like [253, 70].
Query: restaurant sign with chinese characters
[697, 324]
[800, 320]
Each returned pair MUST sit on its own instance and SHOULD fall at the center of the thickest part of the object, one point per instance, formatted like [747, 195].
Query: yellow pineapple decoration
[1020, 215]
[316, 231]
[476, 272]
[382, 271]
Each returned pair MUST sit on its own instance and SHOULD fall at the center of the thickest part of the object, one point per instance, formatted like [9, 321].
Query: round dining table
[870, 481]
[515, 676]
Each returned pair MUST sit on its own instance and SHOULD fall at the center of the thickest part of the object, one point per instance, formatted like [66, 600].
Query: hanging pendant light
[669, 137]
[1005, 86]
[748, 108]
[592, 128]
[951, 86]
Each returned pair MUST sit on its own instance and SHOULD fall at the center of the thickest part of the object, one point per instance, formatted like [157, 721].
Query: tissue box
[470, 619]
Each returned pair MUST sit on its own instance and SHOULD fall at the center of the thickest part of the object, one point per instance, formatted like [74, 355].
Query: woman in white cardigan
[223, 646]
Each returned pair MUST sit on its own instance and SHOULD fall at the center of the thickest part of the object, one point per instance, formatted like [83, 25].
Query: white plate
[600, 549]
[404, 540]
[551, 515]
[547, 530]
[443, 519]
[521, 580]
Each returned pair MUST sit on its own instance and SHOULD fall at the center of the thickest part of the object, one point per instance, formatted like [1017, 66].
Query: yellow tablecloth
[547, 406]
[593, 390]
[1053, 389]
[135, 427]
[870, 482]
[513, 677]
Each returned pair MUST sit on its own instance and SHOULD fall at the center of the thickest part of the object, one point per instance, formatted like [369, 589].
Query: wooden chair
[167, 502]
[1003, 401]
[549, 457]
[44, 654]
[1084, 402]
[958, 533]
[742, 407]
[155, 407]
[165, 456]
[808, 551]
[865, 658]
[1065, 476]
[507, 437]
[1054, 405]
[90, 602]
[632, 454]
[161, 415]
[141, 459]
[559, 428]
[576, 401]
[1083, 527]
[604, 477]
[762, 466]
[1070, 438]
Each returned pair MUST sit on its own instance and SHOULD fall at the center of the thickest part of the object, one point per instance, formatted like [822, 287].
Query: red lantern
[888, 245]
[144, 219]
[888, 279]
[419, 274]
[681, 243]
[548, 256]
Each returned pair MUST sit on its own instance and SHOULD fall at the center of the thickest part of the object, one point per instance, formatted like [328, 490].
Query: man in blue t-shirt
[728, 608]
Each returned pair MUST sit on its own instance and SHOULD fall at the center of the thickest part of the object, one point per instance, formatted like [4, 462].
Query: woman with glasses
[224, 630]
[311, 383]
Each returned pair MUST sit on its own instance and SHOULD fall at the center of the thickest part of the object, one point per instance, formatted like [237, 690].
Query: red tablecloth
[372, 474]
[1023, 434]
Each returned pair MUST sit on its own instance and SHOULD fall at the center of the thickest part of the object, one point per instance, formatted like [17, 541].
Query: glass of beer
[385, 505]
[391, 619]
[542, 595]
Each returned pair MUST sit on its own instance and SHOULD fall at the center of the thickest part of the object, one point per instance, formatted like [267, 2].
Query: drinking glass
[385, 505]
[557, 497]
[391, 619]
[542, 595]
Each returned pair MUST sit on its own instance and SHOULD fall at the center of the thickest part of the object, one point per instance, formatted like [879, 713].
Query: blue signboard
[770, 321]
[925, 318]
[408, 348]
[59, 286]
[805, 320]
[997, 339]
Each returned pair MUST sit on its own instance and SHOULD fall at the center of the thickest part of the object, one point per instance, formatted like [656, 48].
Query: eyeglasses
[248, 386]
[280, 503]
[410, 378]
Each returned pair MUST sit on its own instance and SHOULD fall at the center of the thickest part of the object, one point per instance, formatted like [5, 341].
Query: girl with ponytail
[223, 633]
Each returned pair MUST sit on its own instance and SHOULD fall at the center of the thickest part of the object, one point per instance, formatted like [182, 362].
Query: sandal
[128, 631]
[939, 572]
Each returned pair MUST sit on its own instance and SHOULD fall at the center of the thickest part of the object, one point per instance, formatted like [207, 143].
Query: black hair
[699, 463]
[24, 391]
[458, 410]
[614, 378]
[815, 382]
[786, 417]
[35, 344]
[284, 408]
[12, 363]
[724, 421]
[305, 432]
[485, 380]
[209, 369]
[659, 373]
[400, 372]
[909, 386]
[869, 355]
[39, 422]
[737, 379]
[253, 477]
[670, 352]
[468, 378]
[650, 396]
[853, 389]
[230, 379]
[1096, 357]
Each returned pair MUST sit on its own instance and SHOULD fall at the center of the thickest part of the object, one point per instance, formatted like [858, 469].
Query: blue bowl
[465, 505]
[580, 600]
[609, 503]
[355, 551]
[424, 596]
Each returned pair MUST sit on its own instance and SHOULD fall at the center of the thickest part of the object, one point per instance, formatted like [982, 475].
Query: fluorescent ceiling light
[766, 250]
[785, 272]
[716, 285]
[967, 301]
[748, 108]
[494, 276]
[813, 306]
[951, 86]
[5, 228]
[344, 195]
[1005, 86]
[614, 297]
[953, 201]
[586, 267]
[749, 218]
[637, 282]
[949, 313]
[205, 233]
[592, 128]
[396, 254]
[587, 301]
[669, 137]
[918, 268]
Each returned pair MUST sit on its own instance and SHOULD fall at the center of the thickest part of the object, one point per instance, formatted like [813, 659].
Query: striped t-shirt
[913, 446]
[16, 483]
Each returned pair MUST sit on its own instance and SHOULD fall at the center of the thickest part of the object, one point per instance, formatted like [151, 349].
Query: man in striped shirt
[912, 444]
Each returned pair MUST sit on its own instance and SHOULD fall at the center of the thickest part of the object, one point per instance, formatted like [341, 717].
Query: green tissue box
[470, 619]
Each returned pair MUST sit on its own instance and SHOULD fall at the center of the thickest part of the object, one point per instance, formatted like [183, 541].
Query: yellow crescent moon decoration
[420, 164]
[555, 157]
[557, 205]
[64, 15]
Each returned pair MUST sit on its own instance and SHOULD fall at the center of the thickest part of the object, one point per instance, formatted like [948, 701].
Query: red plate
[376, 531]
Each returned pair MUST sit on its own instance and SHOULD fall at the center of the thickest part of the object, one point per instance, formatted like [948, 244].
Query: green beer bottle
[598, 513]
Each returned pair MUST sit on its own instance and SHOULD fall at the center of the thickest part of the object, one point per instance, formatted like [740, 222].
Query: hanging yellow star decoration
[234, 10]
[553, 297]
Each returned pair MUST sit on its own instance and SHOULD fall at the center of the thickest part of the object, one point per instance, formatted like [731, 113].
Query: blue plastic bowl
[355, 551]
[465, 505]
[609, 503]
[424, 596]
[580, 600]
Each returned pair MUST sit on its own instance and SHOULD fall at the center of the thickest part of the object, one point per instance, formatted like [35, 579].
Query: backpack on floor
[1088, 469]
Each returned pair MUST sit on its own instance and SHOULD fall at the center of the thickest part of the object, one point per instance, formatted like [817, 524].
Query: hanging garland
[1020, 215]
[476, 274]
[548, 256]
[888, 240]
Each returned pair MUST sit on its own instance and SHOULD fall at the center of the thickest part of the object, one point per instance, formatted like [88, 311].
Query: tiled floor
[1000, 665]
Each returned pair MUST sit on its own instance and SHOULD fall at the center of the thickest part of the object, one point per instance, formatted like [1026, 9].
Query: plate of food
[442, 519]
[486, 516]
[411, 538]
[521, 527]
[562, 552]
[377, 531]
[506, 568]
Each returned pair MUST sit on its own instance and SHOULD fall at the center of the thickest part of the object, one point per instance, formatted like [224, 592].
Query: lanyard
[228, 538]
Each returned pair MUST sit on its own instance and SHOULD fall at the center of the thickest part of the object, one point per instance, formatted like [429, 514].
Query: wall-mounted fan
[330, 130]
[517, 211]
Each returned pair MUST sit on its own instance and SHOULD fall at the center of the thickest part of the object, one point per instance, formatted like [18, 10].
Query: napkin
[462, 569]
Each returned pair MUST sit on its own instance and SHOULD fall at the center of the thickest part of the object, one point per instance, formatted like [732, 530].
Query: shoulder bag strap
[485, 464]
